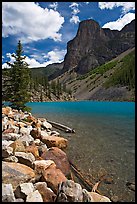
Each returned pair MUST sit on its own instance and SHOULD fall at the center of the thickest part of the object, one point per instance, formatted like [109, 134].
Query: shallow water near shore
[104, 142]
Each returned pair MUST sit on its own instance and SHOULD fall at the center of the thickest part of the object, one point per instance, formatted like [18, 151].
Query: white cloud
[121, 22]
[75, 11]
[54, 5]
[74, 7]
[53, 56]
[74, 19]
[30, 22]
[126, 6]
[33, 63]
[87, 3]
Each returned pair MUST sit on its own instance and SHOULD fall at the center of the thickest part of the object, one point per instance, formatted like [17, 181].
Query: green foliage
[99, 70]
[19, 81]
[125, 74]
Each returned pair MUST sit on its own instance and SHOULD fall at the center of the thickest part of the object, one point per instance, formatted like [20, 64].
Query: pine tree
[53, 87]
[18, 93]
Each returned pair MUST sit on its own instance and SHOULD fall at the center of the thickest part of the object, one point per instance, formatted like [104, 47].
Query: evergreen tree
[53, 87]
[41, 95]
[18, 93]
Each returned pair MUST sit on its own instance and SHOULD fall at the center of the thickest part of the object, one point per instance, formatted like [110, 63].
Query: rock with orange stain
[47, 194]
[59, 157]
[33, 149]
[54, 141]
[7, 110]
[16, 173]
[17, 146]
[53, 177]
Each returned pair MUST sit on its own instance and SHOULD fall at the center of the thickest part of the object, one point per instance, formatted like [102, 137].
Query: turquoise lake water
[104, 140]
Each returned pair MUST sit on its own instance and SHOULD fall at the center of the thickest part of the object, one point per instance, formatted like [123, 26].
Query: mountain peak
[93, 45]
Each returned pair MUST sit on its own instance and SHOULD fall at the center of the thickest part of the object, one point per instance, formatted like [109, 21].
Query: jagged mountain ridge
[93, 45]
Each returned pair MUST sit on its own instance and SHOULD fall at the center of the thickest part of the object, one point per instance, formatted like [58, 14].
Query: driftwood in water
[90, 186]
[61, 127]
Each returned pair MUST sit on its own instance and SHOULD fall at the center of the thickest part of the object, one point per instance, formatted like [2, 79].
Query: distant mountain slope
[51, 70]
[114, 80]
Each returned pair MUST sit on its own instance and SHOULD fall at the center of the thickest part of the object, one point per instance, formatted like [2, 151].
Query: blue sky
[44, 28]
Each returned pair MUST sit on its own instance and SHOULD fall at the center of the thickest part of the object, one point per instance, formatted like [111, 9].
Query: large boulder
[41, 165]
[26, 139]
[46, 125]
[59, 157]
[11, 159]
[25, 158]
[9, 130]
[54, 141]
[7, 193]
[69, 191]
[23, 190]
[44, 133]
[18, 146]
[96, 197]
[42, 148]
[33, 149]
[7, 110]
[25, 130]
[35, 133]
[16, 173]
[7, 151]
[47, 194]
[10, 136]
[4, 123]
[31, 118]
[34, 197]
[53, 177]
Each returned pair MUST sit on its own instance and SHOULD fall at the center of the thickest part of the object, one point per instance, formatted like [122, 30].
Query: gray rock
[34, 197]
[23, 190]
[70, 191]
[86, 196]
[7, 193]
[11, 159]
[6, 143]
[16, 173]
[19, 200]
[16, 129]
[115, 198]
[96, 197]
[37, 142]
[26, 138]
[6, 151]
[44, 133]
[4, 123]
[46, 125]
[43, 184]
[131, 185]
[25, 131]
[43, 148]
[55, 133]
[16, 117]
[11, 136]
[25, 158]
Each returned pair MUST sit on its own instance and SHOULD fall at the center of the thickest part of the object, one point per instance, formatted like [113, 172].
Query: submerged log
[89, 185]
[61, 127]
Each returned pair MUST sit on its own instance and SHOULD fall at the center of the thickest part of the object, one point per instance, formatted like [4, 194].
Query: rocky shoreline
[34, 166]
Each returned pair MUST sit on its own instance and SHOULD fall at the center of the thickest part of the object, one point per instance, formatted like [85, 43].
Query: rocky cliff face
[93, 45]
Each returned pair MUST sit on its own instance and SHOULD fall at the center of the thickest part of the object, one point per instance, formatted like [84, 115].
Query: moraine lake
[104, 141]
